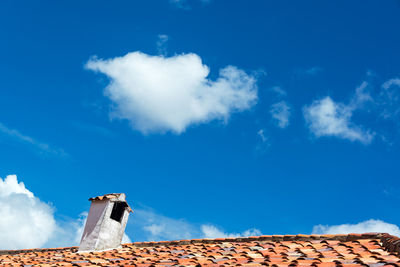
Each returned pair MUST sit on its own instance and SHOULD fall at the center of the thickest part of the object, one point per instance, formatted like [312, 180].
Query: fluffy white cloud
[151, 226]
[25, 221]
[328, 118]
[159, 94]
[368, 226]
[281, 112]
[67, 233]
[28, 222]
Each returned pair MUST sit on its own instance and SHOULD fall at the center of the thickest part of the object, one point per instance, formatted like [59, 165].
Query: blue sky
[214, 117]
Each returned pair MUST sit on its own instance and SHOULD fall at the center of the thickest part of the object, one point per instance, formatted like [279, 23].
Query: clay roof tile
[372, 249]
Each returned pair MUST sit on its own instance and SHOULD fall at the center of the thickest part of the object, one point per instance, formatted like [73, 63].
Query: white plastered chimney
[105, 224]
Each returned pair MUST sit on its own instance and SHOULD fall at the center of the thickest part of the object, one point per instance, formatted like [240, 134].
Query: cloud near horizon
[31, 223]
[28, 222]
[369, 226]
[157, 94]
[25, 220]
[149, 225]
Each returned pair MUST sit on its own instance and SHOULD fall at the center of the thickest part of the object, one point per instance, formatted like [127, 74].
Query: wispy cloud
[93, 129]
[325, 117]
[361, 96]
[161, 44]
[389, 99]
[43, 148]
[313, 70]
[281, 110]
[184, 4]
[309, 71]
[263, 145]
[211, 231]
[280, 113]
[262, 135]
[148, 225]
[279, 91]
[369, 226]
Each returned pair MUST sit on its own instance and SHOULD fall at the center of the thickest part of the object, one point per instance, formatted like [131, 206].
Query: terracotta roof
[106, 196]
[111, 196]
[277, 250]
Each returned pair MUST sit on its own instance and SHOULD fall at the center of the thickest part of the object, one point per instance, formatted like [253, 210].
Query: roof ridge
[27, 250]
[299, 237]
[390, 242]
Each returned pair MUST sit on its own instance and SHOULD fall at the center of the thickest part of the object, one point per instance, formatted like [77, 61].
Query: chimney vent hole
[118, 211]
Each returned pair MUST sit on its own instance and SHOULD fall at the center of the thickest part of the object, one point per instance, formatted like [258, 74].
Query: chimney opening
[118, 211]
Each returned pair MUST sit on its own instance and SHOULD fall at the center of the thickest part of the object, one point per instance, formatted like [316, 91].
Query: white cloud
[211, 231]
[328, 118]
[25, 221]
[263, 146]
[279, 91]
[262, 135]
[28, 222]
[391, 82]
[368, 226]
[159, 94]
[151, 226]
[43, 148]
[281, 112]
[389, 99]
[67, 233]
[361, 96]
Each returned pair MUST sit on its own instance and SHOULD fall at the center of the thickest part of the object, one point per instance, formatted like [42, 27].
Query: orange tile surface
[303, 250]
[106, 196]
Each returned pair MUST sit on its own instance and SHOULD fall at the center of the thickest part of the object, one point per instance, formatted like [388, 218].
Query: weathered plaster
[101, 232]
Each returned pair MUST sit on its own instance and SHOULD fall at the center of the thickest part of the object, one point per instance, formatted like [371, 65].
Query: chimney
[105, 224]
